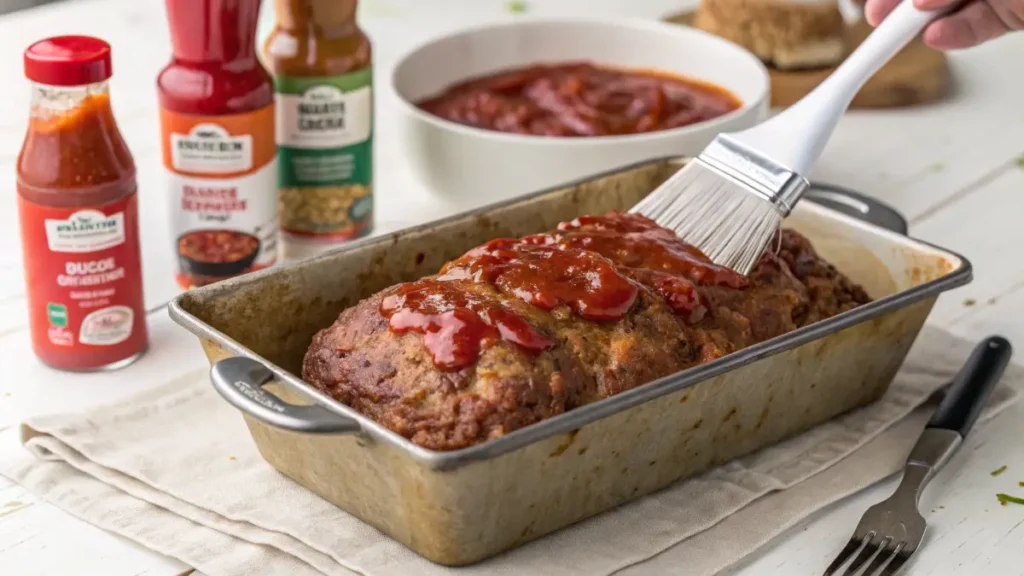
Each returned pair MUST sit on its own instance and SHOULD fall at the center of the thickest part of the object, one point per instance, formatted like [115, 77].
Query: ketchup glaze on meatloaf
[519, 330]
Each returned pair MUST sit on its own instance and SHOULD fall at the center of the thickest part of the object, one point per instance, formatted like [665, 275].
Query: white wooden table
[955, 169]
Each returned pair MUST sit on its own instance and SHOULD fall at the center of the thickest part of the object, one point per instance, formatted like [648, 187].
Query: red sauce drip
[594, 265]
[679, 293]
[580, 99]
[455, 323]
[547, 276]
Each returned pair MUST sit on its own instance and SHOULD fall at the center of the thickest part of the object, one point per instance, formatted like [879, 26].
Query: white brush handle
[796, 136]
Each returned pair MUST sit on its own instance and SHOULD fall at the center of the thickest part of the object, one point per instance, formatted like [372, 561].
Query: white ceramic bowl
[474, 166]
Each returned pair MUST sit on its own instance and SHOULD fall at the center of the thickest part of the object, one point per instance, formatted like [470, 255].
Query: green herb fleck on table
[1005, 499]
[1020, 162]
[516, 6]
[970, 302]
[937, 167]
[1021, 484]
[999, 470]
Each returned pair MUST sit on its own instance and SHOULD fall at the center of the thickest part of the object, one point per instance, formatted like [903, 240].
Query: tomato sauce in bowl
[212, 255]
[580, 99]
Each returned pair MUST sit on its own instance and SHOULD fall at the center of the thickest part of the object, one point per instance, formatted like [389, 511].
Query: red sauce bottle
[78, 212]
[217, 120]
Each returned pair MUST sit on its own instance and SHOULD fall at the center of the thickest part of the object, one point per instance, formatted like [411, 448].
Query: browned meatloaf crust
[393, 379]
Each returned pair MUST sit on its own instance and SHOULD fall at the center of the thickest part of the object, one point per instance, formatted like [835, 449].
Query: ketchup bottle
[217, 124]
[78, 211]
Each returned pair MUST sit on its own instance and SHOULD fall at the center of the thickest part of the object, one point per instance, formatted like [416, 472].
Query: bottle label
[210, 149]
[87, 230]
[84, 275]
[325, 154]
[221, 174]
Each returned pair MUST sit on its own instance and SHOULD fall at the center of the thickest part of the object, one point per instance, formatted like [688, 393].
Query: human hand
[976, 22]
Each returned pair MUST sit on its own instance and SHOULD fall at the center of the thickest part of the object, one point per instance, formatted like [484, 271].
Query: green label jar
[325, 155]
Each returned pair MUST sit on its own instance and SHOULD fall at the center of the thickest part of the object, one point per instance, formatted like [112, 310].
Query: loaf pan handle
[857, 205]
[241, 382]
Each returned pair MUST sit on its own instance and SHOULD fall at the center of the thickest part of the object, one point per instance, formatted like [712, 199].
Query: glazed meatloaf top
[519, 330]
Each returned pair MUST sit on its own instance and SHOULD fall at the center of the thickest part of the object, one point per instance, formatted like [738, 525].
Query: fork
[891, 531]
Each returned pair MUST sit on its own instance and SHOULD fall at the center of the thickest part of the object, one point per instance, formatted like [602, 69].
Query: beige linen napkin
[175, 470]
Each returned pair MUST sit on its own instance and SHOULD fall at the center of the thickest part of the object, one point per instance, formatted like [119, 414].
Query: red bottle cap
[68, 61]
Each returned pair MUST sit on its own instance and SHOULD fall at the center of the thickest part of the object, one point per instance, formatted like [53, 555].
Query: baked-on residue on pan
[519, 330]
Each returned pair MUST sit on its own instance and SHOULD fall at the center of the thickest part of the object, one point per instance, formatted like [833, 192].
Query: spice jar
[78, 212]
[321, 61]
[217, 124]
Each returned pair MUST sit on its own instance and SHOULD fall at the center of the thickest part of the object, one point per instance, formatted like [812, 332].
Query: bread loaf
[785, 34]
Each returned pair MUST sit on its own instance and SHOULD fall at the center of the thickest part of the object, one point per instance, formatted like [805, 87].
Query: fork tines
[887, 556]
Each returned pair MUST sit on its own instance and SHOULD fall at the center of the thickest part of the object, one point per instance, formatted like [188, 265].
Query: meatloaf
[519, 330]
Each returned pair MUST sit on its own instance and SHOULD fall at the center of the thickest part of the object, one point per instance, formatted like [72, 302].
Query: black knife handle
[972, 385]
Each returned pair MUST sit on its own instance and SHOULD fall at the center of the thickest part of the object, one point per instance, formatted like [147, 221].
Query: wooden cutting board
[917, 75]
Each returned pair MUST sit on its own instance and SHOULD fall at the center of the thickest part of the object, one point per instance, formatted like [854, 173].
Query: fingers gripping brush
[732, 198]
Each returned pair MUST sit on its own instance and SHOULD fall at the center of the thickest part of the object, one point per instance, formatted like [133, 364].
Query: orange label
[218, 146]
[222, 174]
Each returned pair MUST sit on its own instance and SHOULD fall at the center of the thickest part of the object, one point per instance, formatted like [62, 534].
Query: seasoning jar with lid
[78, 211]
[323, 76]
[217, 124]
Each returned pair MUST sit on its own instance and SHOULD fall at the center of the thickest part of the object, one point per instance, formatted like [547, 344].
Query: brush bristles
[724, 219]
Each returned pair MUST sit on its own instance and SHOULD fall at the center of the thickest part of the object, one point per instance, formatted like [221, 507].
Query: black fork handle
[971, 387]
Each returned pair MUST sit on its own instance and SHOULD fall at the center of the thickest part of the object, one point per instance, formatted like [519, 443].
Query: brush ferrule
[763, 176]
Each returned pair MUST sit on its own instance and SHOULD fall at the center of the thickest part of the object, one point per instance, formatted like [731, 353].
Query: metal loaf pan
[463, 506]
